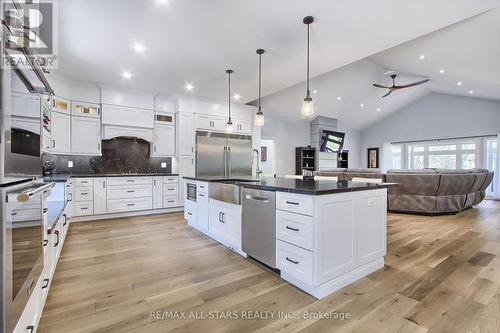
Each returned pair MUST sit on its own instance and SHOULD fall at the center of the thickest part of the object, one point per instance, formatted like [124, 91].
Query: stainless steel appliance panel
[226, 192]
[22, 232]
[210, 155]
[239, 151]
[258, 229]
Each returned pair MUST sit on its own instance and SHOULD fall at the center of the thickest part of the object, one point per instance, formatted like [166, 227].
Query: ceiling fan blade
[390, 92]
[381, 86]
[413, 84]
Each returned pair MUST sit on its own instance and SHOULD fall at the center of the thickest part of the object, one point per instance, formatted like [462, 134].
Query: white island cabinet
[325, 242]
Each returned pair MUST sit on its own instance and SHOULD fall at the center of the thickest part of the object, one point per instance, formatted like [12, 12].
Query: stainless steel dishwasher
[258, 229]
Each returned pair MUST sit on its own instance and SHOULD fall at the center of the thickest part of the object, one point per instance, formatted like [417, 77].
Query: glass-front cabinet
[85, 109]
[60, 104]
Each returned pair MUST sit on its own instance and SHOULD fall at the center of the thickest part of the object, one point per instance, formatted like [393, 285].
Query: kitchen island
[325, 234]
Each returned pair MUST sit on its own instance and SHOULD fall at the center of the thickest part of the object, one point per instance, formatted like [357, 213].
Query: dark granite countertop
[222, 179]
[320, 187]
[65, 177]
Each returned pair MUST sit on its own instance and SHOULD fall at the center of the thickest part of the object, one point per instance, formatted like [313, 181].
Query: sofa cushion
[453, 184]
[415, 184]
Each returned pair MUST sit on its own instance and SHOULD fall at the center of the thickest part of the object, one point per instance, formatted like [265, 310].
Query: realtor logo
[30, 34]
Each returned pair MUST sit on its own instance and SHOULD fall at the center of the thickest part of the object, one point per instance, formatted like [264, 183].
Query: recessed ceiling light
[459, 83]
[378, 110]
[441, 71]
[422, 57]
[339, 98]
[471, 92]
[127, 75]
[139, 48]
[237, 97]
[161, 2]
[189, 86]
[315, 91]
[362, 105]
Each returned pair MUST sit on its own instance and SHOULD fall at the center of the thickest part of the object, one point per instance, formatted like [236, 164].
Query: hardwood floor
[442, 274]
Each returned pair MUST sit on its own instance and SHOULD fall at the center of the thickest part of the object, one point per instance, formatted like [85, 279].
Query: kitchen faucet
[258, 171]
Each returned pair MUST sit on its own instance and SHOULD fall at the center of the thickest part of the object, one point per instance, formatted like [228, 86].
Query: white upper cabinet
[25, 105]
[163, 141]
[85, 135]
[60, 104]
[185, 134]
[242, 126]
[210, 122]
[85, 109]
[60, 133]
[127, 116]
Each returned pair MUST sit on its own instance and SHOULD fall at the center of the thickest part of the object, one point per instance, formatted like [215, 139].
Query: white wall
[267, 167]
[435, 116]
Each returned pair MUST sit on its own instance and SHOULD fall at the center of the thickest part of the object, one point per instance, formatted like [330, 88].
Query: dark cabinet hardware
[131, 205]
[30, 328]
[45, 210]
[131, 191]
[292, 261]
[46, 283]
[290, 228]
[45, 242]
[65, 220]
[57, 237]
[292, 203]
[190, 214]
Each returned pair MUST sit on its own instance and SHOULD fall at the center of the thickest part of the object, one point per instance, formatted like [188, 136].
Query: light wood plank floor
[442, 274]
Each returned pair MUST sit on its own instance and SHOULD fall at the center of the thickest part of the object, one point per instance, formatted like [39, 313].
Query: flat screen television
[332, 142]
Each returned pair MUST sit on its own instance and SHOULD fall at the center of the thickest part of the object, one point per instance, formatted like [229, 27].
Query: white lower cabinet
[225, 224]
[100, 196]
[157, 192]
[202, 210]
[190, 213]
[295, 261]
[133, 204]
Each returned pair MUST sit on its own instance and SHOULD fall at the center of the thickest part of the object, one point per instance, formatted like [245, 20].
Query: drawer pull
[57, 237]
[45, 242]
[171, 201]
[131, 191]
[46, 283]
[30, 328]
[84, 208]
[130, 180]
[170, 189]
[84, 193]
[190, 214]
[292, 261]
[130, 205]
[292, 203]
[293, 229]
[202, 195]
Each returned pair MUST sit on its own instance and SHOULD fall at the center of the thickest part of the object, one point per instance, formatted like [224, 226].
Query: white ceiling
[196, 40]
[468, 52]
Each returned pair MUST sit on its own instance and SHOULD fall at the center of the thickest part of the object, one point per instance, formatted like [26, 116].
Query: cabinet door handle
[45, 242]
[190, 214]
[220, 217]
[46, 283]
[154, 182]
[293, 229]
[292, 261]
[30, 328]
[98, 146]
[65, 220]
[57, 235]
[154, 149]
[53, 143]
[103, 184]
[202, 195]
[292, 203]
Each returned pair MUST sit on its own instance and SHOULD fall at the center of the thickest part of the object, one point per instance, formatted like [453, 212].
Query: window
[445, 161]
[396, 157]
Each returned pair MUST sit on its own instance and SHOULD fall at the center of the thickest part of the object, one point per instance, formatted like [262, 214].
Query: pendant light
[259, 117]
[229, 124]
[308, 104]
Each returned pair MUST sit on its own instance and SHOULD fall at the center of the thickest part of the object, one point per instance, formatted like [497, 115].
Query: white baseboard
[125, 214]
[333, 285]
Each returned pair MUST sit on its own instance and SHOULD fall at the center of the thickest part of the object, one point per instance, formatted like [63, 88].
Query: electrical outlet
[70, 164]
[163, 165]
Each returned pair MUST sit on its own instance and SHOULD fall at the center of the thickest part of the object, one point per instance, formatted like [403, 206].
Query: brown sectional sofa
[427, 191]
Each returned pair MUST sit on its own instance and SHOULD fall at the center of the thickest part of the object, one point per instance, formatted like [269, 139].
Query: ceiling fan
[395, 87]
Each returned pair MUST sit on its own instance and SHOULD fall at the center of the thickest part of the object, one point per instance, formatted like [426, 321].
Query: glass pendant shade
[229, 127]
[259, 119]
[307, 107]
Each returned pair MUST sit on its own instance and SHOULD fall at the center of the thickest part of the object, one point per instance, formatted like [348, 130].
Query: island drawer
[84, 193]
[202, 188]
[130, 181]
[295, 203]
[295, 229]
[295, 261]
[129, 191]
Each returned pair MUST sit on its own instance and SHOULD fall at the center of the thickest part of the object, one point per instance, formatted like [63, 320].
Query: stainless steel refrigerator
[223, 155]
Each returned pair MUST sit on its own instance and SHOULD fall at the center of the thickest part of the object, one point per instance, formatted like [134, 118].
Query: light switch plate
[70, 164]
[163, 165]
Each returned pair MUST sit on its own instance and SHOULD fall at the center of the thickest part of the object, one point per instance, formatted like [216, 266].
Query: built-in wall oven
[22, 209]
[191, 191]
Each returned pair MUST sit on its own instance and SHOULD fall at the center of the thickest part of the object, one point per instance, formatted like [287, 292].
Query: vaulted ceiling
[194, 41]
